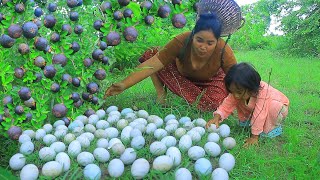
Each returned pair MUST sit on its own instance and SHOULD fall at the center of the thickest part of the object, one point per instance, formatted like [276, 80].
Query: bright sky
[244, 2]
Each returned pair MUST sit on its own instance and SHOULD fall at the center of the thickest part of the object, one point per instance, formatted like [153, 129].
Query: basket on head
[228, 11]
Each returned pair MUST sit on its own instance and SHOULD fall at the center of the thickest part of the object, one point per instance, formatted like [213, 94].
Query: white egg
[160, 133]
[58, 147]
[140, 168]
[52, 169]
[118, 148]
[122, 123]
[195, 136]
[196, 152]
[172, 121]
[185, 143]
[74, 148]
[183, 174]
[47, 154]
[143, 114]
[203, 167]
[111, 108]
[213, 129]
[213, 137]
[29, 172]
[48, 128]
[158, 148]
[200, 130]
[60, 133]
[100, 133]
[49, 139]
[68, 138]
[93, 119]
[64, 160]
[61, 127]
[141, 127]
[184, 119]
[101, 113]
[88, 135]
[152, 118]
[113, 119]
[24, 138]
[128, 156]
[151, 127]
[40, 133]
[115, 168]
[58, 122]
[102, 124]
[74, 124]
[162, 163]
[17, 161]
[82, 118]
[219, 174]
[212, 149]
[126, 111]
[130, 117]
[102, 143]
[158, 122]
[168, 117]
[92, 172]
[171, 128]
[200, 122]
[188, 125]
[180, 132]
[101, 155]
[138, 142]
[227, 161]
[27, 148]
[169, 141]
[90, 128]
[84, 141]
[229, 142]
[113, 141]
[175, 155]
[112, 132]
[135, 132]
[224, 130]
[85, 158]
[114, 113]
[30, 133]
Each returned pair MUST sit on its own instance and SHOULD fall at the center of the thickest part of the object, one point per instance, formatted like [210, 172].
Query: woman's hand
[253, 140]
[114, 89]
[215, 121]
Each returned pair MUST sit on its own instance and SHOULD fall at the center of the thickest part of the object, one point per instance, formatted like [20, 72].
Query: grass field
[293, 155]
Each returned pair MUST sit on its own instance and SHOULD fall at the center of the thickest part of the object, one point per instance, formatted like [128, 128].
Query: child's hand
[215, 121]
[253, 140]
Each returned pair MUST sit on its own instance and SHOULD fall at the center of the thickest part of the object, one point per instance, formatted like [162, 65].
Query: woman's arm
[143, 71]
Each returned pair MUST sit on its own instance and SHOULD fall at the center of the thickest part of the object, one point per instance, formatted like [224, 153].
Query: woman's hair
[243, 75]
[208, 22]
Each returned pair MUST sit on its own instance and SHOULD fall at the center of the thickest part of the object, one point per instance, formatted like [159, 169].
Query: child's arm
[253, 140]
[215, 121]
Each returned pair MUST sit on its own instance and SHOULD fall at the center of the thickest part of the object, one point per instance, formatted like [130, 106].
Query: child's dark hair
[243, 74]
[207, 21]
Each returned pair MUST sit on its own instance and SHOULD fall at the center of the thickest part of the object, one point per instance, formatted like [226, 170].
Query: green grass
[293, 155]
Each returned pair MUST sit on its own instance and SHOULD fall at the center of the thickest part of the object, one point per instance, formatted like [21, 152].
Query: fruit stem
[186, 10]
[136, 23]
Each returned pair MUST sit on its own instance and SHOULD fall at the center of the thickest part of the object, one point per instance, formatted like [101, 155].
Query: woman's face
[204, 43]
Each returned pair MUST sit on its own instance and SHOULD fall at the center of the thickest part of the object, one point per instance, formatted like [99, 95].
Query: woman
[192, 65]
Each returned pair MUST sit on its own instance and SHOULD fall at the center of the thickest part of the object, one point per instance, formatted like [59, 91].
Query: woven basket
[228, 11]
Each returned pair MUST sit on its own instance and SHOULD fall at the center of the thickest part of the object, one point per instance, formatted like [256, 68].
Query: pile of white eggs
[120, 134]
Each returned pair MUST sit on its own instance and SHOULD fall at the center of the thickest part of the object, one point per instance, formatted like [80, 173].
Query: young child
[258, 104]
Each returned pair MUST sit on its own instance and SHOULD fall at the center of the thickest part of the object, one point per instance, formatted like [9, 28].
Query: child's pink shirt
[264, 108]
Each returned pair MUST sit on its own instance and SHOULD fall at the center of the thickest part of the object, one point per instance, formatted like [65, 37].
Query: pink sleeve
[260, 112]
[227, 107]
